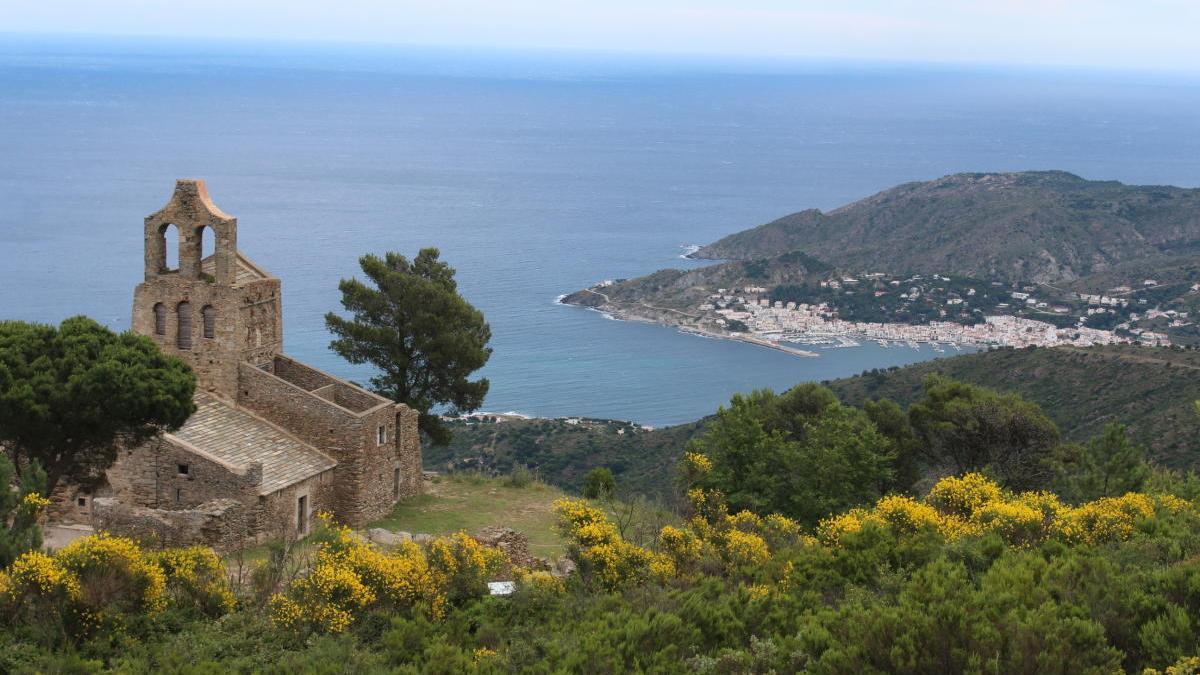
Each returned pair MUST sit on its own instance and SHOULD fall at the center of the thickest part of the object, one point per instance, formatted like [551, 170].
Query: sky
[1136, 34]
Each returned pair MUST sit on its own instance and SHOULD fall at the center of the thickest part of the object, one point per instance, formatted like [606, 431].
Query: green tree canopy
[967, 428]
[422, 337]
[599, 483]
[19, 530]
[71, 395]
[802, 454]
[1109, 465]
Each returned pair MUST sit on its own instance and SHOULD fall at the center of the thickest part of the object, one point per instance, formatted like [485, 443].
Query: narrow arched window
[160, 319]
[209, 315]
[183, 339]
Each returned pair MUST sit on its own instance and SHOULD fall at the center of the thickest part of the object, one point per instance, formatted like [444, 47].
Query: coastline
[748, 338]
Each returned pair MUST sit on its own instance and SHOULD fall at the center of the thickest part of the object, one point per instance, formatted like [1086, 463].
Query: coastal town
[751, 312]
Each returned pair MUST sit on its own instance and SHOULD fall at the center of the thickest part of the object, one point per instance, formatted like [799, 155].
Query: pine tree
[423, 338]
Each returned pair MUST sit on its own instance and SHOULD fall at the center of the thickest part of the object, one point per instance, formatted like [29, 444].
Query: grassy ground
[471, 503]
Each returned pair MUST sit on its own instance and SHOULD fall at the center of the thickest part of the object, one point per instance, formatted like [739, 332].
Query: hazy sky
[1131, 33]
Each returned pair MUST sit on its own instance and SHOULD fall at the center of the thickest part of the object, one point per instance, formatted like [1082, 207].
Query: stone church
[273, 441]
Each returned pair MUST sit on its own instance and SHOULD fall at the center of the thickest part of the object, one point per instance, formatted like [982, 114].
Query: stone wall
[408, 452]
[149, 476]
[222, 524]
[363, 477]
[247, 325]
[279, 509]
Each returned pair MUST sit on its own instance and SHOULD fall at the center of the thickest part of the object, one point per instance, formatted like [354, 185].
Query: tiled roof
[240, 438]
[246, 270]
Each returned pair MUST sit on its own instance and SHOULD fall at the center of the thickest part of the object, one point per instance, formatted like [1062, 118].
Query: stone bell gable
[273, 441]
[213, 312]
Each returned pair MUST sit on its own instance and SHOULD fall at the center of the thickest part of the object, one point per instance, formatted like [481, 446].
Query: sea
[534, 173]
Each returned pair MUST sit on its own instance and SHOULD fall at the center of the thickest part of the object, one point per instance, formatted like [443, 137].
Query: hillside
[1043, 227]
[669, 295]
[561, 452]
[1151, 390]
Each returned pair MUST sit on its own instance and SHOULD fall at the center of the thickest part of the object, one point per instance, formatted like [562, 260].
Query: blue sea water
[535, 174]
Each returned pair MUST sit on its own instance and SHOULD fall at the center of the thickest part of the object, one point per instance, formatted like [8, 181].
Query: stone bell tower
[214, 312]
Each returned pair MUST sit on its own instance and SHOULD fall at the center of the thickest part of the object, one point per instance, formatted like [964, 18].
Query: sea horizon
[535, 177]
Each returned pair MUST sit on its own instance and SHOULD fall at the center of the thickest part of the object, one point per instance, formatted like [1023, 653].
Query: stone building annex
[273, 441]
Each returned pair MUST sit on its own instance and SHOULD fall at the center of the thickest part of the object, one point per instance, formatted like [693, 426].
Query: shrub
[196, 577]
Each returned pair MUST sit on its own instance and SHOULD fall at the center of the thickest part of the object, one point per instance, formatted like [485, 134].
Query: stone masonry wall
[247, 325]
[279, 509]
[149, 476]
[363, 489]
[221, 524]
[408, 451]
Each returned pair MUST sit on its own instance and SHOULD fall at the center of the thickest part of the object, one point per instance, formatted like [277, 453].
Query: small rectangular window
[82, 501]
[382, 435]
[302, 515]
[184, 469]
[178, 495]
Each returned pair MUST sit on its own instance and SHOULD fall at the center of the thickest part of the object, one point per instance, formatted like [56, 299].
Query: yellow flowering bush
[197, 576]
[616, 564]
[540, 581]
[831, 530]
[709, 505]
[462, 565]
[1104, 520]
[781, 531]
[745, 521]
[970, 505]
[604, 558]
[962, 495]
[906, 515]
[758, 592]
[114, 574]
[743, 549]
[682, 546]
[38, 575]
[1016, 522]
[325, 599]
[351, 575]
[400, 579]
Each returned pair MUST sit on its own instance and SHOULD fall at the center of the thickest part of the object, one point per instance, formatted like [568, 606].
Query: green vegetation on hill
[1045, 226]
[561, 452]
[1149, 389]
[677, 293]
[1080, 389]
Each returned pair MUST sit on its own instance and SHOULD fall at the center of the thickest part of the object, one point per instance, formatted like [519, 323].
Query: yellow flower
[696, 463]
[108, 559]
[906, 515]
[758, 592]
[744, 549]
[962, 495]
[34, 502]
[832, 530]
[1017, 522]
[38, 574]
[745, 521]
[682, 546]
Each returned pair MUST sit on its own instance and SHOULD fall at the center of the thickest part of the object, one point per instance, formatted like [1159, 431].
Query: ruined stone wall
[408, 451]
[149, 476]
[221, 524]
